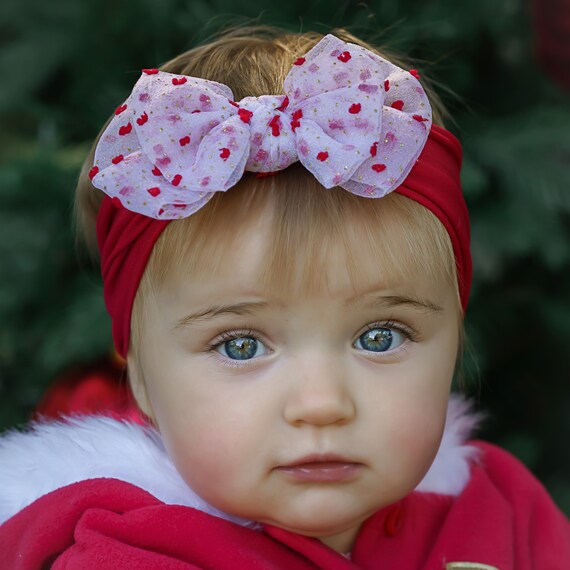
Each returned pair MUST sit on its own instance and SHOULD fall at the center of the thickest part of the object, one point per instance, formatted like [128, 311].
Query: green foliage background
[67, 64]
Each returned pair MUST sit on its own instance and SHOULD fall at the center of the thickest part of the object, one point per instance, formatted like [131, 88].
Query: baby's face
[245, 385]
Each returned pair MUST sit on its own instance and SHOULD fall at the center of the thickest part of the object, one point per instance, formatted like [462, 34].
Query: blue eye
[379, 339]
[241, 348]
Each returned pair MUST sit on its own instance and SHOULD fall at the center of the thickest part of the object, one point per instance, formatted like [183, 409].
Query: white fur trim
[51, 455]
[450, 470]
[54, 454]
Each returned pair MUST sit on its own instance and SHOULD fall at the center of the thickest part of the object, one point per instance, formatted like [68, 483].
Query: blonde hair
[400, 235]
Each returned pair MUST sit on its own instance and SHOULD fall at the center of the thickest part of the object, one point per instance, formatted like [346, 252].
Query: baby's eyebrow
[387, 301]
[249, 308]
[245, 308]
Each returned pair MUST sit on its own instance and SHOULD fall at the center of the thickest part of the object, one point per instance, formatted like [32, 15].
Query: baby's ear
[138, 386]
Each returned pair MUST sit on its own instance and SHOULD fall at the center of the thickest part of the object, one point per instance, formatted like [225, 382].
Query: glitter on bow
[349, 116]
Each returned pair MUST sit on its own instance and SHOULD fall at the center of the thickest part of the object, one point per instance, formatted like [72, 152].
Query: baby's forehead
[202, 300]
[247, 269]
[297, 239]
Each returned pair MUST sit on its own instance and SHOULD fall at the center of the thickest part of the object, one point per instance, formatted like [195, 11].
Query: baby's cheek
[206, 456]
[418, 445]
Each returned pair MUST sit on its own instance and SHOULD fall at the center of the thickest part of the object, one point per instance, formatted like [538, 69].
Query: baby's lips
[315, 458]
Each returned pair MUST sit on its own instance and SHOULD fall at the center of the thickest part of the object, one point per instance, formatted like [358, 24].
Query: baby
[285, 255]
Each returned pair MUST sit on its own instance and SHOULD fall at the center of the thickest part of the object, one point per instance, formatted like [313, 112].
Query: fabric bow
[349, 116]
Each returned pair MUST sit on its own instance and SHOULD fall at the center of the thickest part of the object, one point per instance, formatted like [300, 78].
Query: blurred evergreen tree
[67, 64]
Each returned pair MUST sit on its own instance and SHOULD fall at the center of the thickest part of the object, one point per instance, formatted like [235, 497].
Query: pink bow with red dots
[350, 117]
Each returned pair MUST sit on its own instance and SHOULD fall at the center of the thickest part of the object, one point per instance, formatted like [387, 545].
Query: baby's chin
[338, 533]
[319, 511]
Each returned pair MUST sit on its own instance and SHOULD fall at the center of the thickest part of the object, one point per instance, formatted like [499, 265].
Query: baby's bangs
[391, 240]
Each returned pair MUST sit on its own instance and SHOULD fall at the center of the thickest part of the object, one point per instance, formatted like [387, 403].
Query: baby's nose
[320, 392]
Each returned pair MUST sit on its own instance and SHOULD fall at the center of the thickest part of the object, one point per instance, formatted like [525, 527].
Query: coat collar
[50, 455]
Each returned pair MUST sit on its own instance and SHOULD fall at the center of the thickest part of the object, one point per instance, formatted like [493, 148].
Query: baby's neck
[343, 541]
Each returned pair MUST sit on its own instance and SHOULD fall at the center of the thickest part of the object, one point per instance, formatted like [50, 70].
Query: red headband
[126, 238]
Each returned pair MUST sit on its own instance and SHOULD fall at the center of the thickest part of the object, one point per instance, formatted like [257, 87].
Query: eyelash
[226, 336]
[408, 332]
[231, 335]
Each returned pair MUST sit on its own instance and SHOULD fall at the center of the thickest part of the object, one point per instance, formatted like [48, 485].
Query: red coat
[503, 518]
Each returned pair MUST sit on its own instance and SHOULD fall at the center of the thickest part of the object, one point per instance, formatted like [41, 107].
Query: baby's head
[284, 322]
